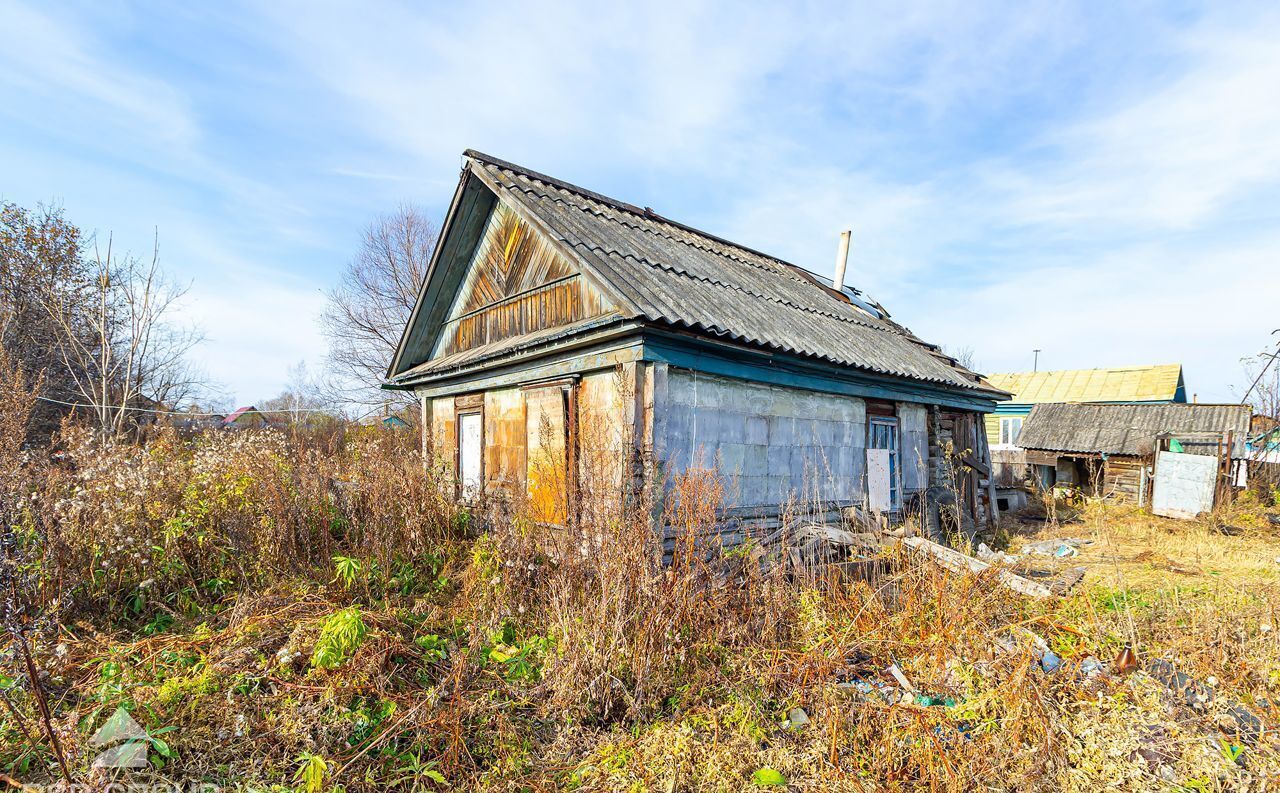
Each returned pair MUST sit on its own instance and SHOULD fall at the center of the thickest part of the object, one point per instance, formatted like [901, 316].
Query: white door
[470, 449]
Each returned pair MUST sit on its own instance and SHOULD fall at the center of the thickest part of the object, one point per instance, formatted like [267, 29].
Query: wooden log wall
[1122, 478]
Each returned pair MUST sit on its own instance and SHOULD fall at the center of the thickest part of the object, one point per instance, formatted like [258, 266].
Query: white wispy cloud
[1093, 181]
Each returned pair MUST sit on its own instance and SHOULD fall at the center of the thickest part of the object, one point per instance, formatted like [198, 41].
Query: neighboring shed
[1103, 449]
[1123, 385]
[248, 417]
[557, 328]
[386, 422]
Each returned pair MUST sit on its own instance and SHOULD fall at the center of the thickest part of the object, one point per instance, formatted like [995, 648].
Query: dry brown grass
[505, 655]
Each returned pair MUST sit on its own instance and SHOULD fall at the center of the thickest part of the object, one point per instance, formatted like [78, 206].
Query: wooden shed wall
[1122, 478]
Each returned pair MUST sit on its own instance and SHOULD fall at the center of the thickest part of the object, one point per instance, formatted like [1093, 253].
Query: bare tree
[963, 356]
[368, 310]
[40, 256]
[125, 355]
[302, 400]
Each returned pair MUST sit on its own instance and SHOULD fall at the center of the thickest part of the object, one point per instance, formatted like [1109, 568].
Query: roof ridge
[1128, 368]
[791, 274]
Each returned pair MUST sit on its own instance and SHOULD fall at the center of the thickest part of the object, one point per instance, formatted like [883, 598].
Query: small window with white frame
[1010, 429]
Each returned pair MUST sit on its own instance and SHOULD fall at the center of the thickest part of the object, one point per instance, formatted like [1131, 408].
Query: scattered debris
[900, 677]
[1065, 547]
[796, 719]
[985, 553]
[958, 562]
[1066, 580]
[1091, 667]
[1234, 718]
[1126, 661]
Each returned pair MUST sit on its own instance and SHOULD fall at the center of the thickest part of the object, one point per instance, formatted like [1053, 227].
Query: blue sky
[1098, 181]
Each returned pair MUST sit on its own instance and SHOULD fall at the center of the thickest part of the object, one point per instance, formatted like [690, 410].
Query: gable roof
[1132, 429]
[1161, 383]
[666, 274]
[239, 413]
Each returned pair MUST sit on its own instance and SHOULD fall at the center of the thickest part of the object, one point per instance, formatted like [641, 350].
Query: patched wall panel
[768, 442]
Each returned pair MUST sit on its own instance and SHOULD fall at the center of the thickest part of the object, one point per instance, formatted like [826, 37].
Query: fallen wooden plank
[1066, 581]
[958, 562]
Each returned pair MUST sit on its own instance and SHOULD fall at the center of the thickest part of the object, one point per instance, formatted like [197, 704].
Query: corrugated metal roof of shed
[1129, 429]
[676, 275]
[1124, 384]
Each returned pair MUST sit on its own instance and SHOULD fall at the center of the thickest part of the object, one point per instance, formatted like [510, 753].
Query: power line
[185, 414]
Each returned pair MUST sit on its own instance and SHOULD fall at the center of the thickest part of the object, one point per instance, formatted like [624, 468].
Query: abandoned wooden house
[548, 309]
[1110, 450]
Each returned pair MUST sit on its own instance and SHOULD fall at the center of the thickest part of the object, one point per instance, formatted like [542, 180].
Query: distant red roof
[237, 413]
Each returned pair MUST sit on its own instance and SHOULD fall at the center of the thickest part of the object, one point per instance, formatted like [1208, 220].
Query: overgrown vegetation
[296, 614]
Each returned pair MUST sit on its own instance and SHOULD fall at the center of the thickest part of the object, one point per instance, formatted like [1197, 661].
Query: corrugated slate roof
[678, 276]
[1124, 384]
[1132, 429]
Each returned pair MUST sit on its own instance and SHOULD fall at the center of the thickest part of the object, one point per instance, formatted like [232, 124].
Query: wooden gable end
[517, 282]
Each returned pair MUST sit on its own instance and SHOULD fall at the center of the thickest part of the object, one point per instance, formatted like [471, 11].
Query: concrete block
[801, 463]
[779, 460]
[781, 430]
[804, 434]
[731, 457]
[757, 400]
[783, 404]
[755, 460]
[754, 491]
[757, 430]
[732, 427]
[710, 393]
[838, 461]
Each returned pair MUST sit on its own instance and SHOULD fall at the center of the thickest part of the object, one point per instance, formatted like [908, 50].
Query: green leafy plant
[347, 570]
[520, 660]
[311, 772]
[340, 636]
[414, 771]
[434, 647]
[768, 777]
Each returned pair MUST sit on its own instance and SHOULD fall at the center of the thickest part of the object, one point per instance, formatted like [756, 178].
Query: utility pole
[1270, 359]
[1035, 367]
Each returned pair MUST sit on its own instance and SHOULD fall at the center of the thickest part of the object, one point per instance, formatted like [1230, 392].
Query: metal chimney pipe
[842, 259]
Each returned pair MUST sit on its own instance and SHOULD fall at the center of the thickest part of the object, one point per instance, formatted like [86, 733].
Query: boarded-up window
[883, 464]
[547, 434]
[471, 454]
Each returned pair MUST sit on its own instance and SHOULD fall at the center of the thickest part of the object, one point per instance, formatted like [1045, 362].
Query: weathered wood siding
[913, 422]
[532, 435]
[1122, 478]
[504, 429]
[517, 283]
[547, 438]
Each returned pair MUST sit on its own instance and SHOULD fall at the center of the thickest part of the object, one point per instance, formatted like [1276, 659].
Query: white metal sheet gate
[1184, 484]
